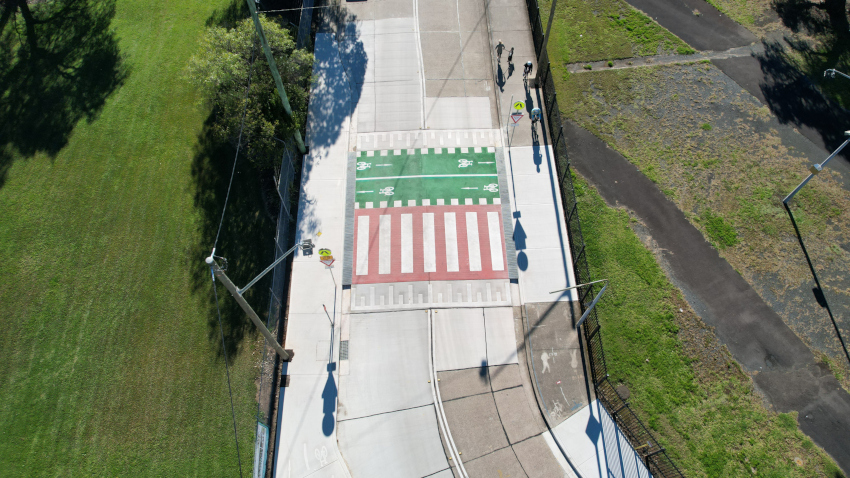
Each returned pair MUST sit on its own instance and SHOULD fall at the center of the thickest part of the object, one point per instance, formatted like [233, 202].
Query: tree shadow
[794, 98]
[338, 87]
[58, 64]
[246, 239]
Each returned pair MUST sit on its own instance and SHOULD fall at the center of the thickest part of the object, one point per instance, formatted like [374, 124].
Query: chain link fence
[654, 456]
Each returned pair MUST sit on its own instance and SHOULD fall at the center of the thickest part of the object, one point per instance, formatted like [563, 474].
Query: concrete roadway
[396, 379]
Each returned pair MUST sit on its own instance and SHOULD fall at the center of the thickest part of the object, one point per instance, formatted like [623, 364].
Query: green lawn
[605, 30]
[686, 387]
[111, 356]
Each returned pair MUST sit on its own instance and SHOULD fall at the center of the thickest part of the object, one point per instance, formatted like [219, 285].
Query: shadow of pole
[819, 295]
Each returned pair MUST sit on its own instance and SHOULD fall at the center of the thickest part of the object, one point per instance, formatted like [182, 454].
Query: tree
[221, 70]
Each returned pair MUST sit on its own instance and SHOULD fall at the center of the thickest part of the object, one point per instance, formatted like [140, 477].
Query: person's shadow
[511, 68]
[500, 78]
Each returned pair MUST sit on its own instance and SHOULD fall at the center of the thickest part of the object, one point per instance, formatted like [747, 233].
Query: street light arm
[816, 169]
[269, 268]
[580, 285]
[595, 299]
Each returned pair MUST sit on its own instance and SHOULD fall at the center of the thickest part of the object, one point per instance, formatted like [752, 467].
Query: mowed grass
[605, 30]
[111, 353]
[684, 385]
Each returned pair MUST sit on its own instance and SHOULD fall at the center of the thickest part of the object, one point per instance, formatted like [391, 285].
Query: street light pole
[217, 271]
[592, 304]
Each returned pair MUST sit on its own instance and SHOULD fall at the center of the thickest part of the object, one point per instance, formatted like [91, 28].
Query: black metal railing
[654, 456]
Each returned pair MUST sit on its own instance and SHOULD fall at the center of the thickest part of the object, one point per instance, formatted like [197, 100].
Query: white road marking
[362, 246]
[472, 241]
[495, 241]
[406, 243]
[384, 252]
[452, 263]
[429, 176]
[428, 242]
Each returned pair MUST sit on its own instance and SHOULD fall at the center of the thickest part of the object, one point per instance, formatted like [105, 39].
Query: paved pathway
[655, 60]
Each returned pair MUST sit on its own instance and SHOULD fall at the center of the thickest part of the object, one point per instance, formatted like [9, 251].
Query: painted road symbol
[515, 117]
[492, 188]
[387, 191]
[362, 166]
[464, 163]
[519, 105]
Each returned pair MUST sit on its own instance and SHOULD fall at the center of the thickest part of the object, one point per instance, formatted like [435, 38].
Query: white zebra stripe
[429, 242]
[496, 256]
[472, 241]
[452, 262]
[362, 268]
[384, 252]
[406, 243]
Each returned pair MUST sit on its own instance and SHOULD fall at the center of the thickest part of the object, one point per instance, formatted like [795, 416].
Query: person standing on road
[500, 47]
[527, 70]
[511, 56]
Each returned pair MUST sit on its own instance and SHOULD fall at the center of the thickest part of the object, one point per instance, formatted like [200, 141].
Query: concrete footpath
[427, 348]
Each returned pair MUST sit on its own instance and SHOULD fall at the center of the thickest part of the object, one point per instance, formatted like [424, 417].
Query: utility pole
[275, 74]
[217, 271]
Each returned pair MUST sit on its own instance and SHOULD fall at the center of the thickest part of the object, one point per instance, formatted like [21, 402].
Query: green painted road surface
[429, 176]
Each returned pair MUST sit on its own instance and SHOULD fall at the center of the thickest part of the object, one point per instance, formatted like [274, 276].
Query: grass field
[605, 30]
[109, 201]
[683, 383]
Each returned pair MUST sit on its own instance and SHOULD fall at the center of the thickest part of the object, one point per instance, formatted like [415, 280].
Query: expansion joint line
[421, 61]
[438, 402]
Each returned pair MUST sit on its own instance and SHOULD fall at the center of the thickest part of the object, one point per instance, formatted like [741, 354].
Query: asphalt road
[783, 368]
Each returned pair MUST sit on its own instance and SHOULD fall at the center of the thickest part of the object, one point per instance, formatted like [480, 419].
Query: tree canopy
[228, 57]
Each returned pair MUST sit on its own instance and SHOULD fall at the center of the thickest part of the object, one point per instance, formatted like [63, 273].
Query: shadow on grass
[246, 239]
[248, 232]
[58, 64]
[794, 98]
[820, 298]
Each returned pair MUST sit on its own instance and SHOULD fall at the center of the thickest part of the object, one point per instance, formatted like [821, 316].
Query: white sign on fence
[261, 451]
